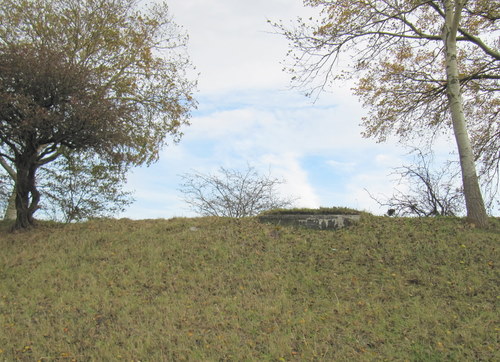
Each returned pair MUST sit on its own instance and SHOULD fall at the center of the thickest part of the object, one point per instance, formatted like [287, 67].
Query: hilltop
[234, 289]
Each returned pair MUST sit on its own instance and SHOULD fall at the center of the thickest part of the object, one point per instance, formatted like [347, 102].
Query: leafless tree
[232, 193]
[431, 192]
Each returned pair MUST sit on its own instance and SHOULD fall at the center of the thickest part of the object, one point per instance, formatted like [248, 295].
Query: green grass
[218, 289]
[321, 210]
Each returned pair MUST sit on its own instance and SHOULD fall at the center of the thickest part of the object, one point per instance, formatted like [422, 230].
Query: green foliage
[235, 289]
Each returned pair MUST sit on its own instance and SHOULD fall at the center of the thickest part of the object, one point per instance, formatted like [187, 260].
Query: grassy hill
[217, 289]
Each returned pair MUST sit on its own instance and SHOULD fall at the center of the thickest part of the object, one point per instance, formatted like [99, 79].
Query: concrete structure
[312, 221]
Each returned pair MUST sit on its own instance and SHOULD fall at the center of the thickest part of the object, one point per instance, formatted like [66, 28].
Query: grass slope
[224, 289]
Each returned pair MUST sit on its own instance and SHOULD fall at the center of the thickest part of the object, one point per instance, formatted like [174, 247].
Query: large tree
[421, 65]
[95, 75]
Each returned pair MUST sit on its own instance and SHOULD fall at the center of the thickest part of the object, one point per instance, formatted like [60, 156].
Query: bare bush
[232, 193]
[430, 192]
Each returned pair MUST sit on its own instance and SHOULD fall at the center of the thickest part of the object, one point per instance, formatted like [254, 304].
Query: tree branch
[474, 39]
[12, 173]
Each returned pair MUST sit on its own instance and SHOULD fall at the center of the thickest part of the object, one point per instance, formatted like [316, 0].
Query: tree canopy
[87, 75]
[402, 56]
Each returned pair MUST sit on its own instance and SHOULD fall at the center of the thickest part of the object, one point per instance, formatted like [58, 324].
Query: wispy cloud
[248, 115]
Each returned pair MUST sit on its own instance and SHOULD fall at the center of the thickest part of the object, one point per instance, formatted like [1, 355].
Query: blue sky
[247, 114]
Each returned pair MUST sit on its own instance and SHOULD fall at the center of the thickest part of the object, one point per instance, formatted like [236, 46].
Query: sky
[249, 115]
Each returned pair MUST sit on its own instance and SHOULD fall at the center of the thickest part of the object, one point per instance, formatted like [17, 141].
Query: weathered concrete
[312, 221]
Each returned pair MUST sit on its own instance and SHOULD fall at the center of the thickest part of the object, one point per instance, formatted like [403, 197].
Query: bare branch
[430, 192]
[232, 193]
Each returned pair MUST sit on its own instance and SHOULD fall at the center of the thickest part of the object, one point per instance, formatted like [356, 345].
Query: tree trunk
[27, 196]
[10, 211]
[476, 211]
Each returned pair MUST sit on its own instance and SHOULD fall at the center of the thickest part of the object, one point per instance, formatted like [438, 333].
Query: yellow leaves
[404, 52]
[391, 68]
[365, 85]
[147, 56]
[324, 29]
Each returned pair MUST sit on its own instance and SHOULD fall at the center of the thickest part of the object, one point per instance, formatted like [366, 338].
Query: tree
[74, 187]
[81, 186]
[421, 65]
[98, 76]
[232, 193]
[429, 192]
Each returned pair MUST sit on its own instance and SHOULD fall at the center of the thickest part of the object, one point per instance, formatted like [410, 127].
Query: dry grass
[225, 289]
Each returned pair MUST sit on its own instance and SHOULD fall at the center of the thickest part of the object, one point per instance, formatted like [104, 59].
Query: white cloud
[389, 160]
[289, 123]
[231, 43]
[278, 134]
[287, 167]
[247, 114]
[155, 198]
[341, 166]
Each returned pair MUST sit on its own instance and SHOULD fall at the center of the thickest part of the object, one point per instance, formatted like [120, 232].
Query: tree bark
[476, 211]
[10, 211]
[27, 196]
